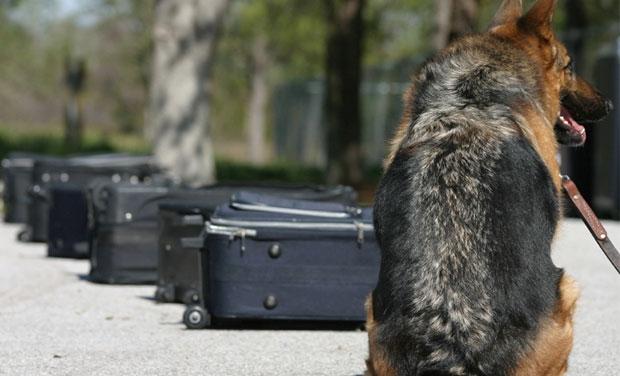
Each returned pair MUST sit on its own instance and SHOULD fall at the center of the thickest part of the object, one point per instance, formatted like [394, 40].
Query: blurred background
[288, 90]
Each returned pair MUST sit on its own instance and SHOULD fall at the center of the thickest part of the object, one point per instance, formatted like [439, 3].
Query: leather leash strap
[591, 220]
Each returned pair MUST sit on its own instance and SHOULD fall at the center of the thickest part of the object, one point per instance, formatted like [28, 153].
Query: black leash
[592, 222]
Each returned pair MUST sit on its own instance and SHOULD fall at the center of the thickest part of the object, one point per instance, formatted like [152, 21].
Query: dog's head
[567, 99]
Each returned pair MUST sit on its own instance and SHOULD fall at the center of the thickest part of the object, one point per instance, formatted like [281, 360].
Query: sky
[35, 14]
[68, 7]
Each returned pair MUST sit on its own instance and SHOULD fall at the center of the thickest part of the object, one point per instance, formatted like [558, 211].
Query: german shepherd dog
[467, 209]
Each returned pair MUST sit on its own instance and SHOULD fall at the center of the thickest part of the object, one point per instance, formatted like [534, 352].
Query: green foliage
[295, 31]
[228, 171]
[28, 72]
[120, 59]
[295, 34]
[52, 143]
[115, 38]
[398, 30]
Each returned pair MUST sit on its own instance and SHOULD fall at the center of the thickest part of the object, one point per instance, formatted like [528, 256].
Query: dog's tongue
[571, 123]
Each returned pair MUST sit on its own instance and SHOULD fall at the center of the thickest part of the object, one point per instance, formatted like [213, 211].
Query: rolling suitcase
[77, 171]
[267, 258]
[68, 222]
[124, 230]
[124, 244]
[17, 178]
[178, 273]
[177, 269]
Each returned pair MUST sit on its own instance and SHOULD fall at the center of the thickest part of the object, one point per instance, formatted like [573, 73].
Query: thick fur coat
[467, 210]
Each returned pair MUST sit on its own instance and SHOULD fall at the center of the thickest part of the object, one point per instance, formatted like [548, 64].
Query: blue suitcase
[178, 273]
[266, 258]
[68, 222]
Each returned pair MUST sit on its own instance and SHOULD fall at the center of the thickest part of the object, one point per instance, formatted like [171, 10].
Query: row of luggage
[228, 251]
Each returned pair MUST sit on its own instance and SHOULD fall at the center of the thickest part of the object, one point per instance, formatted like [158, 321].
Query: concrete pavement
[53, 322]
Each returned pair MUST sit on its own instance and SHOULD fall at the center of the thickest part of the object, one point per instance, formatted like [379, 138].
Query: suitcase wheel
[191, 297]
[25, 236]
[164, 294]
[196, 317]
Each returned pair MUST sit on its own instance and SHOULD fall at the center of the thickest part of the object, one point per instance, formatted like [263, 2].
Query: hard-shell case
[273, 259]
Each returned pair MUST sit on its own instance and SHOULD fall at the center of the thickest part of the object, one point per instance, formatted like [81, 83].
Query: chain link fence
[300, 127]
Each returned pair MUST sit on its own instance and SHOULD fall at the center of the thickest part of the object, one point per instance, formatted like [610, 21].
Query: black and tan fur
[468, 207]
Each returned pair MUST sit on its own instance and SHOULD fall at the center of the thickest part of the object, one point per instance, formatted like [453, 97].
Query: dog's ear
[540, 17]
[509, 11]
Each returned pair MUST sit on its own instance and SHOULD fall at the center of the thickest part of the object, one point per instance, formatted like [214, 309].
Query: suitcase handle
[98, 197]
[193, 220]
[36, 191]
[193, 243]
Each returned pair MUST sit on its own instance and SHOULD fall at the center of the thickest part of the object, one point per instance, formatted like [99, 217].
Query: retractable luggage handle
[196, 241]
[193, 243]
[592, 222]
[192, 220]
[269, 203]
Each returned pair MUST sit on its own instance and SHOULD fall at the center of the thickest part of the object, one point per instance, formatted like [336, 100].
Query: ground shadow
[343, 326]
[150, 298]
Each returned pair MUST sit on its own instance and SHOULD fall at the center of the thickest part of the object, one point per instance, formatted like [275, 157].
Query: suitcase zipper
[304, 212]
[228, 231]
[233, 228]
[231, 232]
[354, 225]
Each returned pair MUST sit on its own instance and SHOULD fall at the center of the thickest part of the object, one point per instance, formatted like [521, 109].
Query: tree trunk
[75, 76]
[455, 18]
[258, 101]
[185, 33]
[343, 76]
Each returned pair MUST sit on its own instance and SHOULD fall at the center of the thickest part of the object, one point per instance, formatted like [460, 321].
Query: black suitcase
[124, 230]
[77, 171]
[178, 277]
[124, 244]
[68, 222]
[276, 259]
[178, 272]
[17, 178]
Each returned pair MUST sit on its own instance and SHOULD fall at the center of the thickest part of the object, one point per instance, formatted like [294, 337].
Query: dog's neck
[541, 135]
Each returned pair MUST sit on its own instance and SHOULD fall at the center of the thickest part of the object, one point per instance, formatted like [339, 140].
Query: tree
[258, 101]
[345, 33]
[253, 25]
[126, 47]
[185, 37]
[75, 75]
[265, 43]
[454, 18]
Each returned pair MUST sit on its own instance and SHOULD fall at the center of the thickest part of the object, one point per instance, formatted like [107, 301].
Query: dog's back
[465, 216]
[468, 207]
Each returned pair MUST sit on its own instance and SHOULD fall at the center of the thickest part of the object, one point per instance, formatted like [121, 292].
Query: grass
[50, 142]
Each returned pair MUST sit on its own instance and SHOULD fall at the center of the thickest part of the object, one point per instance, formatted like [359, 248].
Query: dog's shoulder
[466, 243]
